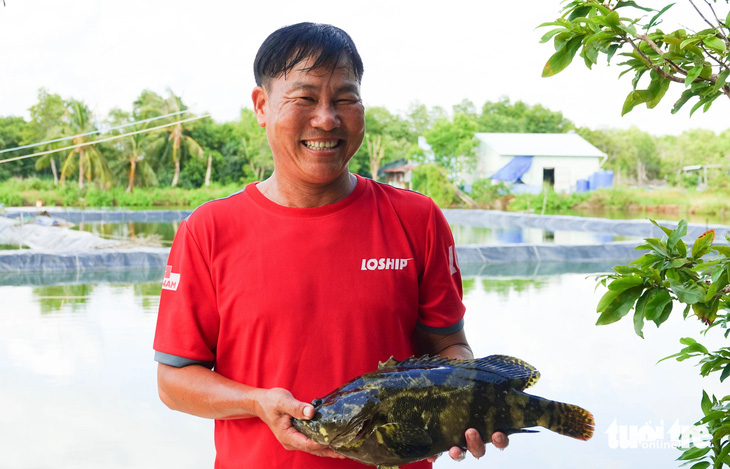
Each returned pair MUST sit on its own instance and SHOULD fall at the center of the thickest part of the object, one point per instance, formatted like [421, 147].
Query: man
[301, 282]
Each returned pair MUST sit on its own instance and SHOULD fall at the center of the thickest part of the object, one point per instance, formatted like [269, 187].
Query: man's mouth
[321, 144]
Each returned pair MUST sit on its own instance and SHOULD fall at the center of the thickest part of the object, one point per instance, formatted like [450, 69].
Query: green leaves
[562, 58]
[703, 243]
[715, 43]
[619, 306]
[697, 59]
[687, 292]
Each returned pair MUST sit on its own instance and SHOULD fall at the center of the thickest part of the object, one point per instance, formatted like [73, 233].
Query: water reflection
[504, 287]
[466, 234]
[160, 233]
[55, 298]
[78, 375]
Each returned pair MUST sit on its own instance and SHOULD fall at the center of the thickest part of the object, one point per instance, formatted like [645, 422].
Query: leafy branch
[699, 60]
[698, 277]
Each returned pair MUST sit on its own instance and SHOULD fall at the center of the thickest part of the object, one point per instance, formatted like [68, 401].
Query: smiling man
[275, 302]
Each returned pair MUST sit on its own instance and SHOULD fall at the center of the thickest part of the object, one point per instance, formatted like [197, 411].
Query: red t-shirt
[304, 299]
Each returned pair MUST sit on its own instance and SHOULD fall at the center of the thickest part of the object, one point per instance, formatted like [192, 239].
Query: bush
[485, 193]
[433, 181]
[554, 202]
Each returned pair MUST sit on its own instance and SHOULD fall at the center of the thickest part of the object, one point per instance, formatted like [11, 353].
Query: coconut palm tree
[131, 151]
[86, 158]
[178, 143]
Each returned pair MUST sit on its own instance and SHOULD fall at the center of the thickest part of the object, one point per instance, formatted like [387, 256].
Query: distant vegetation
[223, 156]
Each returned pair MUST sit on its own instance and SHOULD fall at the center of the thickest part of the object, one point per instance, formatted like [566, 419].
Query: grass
[16, 192]
[673, 201]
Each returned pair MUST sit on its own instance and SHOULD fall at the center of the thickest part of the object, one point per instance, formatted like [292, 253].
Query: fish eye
[317, 402]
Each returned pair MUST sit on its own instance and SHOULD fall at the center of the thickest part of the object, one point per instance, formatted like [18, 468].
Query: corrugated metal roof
[570, 144]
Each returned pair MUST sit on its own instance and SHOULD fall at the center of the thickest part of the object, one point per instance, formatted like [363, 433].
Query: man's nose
[326, 117]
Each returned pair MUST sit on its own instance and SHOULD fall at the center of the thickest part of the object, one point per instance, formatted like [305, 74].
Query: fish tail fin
[566, 419]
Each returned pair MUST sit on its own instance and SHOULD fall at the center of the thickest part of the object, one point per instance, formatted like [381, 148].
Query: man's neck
[304, 195]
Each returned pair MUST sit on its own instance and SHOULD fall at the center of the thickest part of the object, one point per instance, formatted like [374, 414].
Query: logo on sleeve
[453, 261]
[171, 281]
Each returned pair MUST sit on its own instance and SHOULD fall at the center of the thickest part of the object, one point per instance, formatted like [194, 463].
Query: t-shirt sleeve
[441, 310]
[188, 319]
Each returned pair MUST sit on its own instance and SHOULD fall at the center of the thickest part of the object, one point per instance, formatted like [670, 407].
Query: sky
[436, 53]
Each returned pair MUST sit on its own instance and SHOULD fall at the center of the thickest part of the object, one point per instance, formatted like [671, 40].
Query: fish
[416, 408]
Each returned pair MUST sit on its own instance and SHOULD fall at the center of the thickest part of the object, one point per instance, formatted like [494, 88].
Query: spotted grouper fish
[410, 410]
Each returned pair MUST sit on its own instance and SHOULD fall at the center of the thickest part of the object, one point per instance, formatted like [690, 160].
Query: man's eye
[306, 98]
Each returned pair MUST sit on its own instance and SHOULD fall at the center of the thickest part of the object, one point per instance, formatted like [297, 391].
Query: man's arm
[199, 391]
[456, 346]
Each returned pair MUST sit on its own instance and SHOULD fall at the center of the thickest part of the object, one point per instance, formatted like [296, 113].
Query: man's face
[314, 120]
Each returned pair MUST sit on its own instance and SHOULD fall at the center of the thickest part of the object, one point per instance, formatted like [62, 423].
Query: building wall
[568, 169]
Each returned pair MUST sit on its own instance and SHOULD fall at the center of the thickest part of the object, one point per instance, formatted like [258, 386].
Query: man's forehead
[303, 76]
[310, 65]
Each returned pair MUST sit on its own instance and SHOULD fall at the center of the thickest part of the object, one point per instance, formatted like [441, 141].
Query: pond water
[165, 233]
[161, 232]
[464, 235]
[79, 379]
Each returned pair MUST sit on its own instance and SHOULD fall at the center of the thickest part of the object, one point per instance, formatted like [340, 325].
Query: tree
[694, 147]
[388, 137]
[698, 60]
[12, 131]
[631, 153]
[432, 180]
[133, 149]
[89, 163]
[453, 143]
[255, 147]
[376, 151]
[178, 143]
[503, 116]
[46, 117]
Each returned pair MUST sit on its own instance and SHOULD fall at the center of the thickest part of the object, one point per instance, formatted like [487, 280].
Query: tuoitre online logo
[659, 436]
[384, 263]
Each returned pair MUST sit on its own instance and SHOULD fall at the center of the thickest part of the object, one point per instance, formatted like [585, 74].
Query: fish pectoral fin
[388, 467]
[404, 440]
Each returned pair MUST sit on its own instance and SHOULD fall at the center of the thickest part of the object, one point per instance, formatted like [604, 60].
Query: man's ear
[260, 97]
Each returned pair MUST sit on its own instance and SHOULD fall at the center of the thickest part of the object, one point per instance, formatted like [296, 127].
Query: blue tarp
[514, 170]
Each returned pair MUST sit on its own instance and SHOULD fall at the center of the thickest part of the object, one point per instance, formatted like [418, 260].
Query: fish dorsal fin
[425, 361]
[521, 374]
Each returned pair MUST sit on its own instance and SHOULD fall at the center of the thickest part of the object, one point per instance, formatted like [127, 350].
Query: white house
[532, 159]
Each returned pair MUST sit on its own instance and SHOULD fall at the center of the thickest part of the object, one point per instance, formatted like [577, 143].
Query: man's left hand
[475, 445]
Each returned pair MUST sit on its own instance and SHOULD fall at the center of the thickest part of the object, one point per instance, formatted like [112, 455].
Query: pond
[78, 377]
[161, 232]
[465, 235]
[164, 233]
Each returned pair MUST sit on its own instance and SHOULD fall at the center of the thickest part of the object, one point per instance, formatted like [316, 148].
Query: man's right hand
[199, 391]
[276, 407]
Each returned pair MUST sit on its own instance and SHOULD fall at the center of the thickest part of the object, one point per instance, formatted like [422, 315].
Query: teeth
[320, 145]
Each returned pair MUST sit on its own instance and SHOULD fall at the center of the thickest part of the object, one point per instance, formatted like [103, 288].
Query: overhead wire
[107, 139]
[91, 133]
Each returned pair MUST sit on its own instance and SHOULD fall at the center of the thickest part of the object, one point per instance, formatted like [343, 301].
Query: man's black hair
[290, 45]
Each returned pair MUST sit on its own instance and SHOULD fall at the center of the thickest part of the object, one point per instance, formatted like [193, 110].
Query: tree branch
[658, 50]
[701, 15]
[719, 22]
